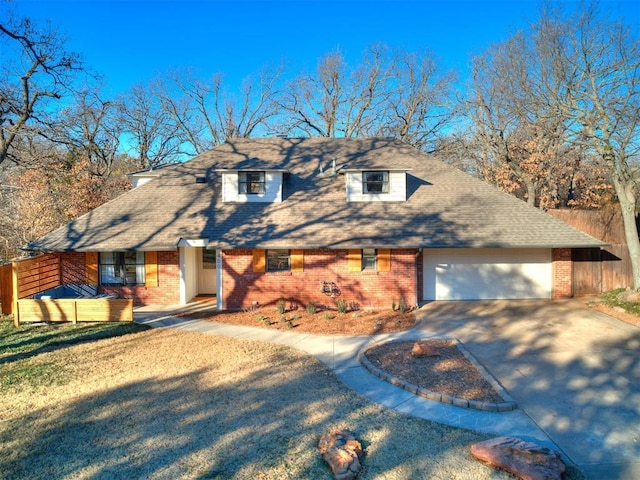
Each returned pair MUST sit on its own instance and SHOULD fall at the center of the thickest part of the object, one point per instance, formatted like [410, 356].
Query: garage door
[489, 273]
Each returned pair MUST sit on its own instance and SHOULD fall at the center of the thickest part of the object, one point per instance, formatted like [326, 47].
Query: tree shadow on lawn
[30, 340]
[262, 421]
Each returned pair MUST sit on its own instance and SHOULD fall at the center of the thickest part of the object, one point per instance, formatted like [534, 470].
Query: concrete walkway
[574, 372]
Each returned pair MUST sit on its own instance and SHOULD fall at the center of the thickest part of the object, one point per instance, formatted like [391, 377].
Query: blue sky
[130, 42]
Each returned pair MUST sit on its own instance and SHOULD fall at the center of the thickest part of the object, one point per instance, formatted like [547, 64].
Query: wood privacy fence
[22, 279]
[597, 270]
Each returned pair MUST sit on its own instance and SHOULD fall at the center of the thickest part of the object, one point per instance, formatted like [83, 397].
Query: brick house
[368, 220]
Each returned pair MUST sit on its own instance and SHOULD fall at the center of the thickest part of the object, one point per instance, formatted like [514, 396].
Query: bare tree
[419, 106]
[389, 93]
[567, 89]
[36, 72]
[519, 136]
[90, 129]
[598, 62]
[206, 114]
[337, 101]
[154, 135]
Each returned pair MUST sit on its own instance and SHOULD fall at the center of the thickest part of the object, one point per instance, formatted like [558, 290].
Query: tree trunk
[628, 206]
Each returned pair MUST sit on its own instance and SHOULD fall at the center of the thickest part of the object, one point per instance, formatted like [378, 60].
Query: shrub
[312, 308]
[262, 318]
[327, 316]
[283, 319]
[393, 305]
[342, 305]
[402, 306]
[282, 306]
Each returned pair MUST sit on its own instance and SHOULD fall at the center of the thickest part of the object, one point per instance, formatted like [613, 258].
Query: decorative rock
[420, 350]
[342, 452]
[629, 295]
[526, 460]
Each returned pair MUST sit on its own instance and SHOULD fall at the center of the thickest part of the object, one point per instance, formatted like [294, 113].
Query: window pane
[278, 260]
[368, 258]
[208, 259]
[375, 182]
[251, 182]
[122, 268]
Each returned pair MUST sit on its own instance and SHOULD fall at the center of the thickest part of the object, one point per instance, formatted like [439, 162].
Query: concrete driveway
[573, 370]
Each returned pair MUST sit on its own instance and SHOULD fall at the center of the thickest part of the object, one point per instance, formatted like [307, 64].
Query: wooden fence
[75, 310]
[597, 270]
[22, 279]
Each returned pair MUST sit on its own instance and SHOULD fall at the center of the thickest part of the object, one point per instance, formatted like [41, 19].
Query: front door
[207, 272]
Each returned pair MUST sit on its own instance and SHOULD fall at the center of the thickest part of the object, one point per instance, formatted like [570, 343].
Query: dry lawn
[167, 404]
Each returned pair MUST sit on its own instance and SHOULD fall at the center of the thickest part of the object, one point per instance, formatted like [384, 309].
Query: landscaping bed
[321, 322]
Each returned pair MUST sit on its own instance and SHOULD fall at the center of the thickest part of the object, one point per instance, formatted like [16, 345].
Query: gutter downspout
[416, 276]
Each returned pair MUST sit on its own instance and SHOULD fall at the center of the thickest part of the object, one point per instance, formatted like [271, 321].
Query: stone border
[507, 405]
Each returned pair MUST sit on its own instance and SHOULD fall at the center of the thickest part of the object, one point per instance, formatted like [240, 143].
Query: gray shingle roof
[445, 207]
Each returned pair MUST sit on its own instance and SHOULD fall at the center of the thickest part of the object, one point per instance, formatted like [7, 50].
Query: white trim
[196, 242]
[218, 280]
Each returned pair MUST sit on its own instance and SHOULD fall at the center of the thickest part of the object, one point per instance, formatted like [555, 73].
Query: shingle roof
[445, 207]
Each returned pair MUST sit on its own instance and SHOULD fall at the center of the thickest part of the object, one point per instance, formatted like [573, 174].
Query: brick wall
[73, 268]
[562, 273]
[242, 286]
[166, 293]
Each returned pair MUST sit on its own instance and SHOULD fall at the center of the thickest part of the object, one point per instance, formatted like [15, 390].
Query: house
[371, 221]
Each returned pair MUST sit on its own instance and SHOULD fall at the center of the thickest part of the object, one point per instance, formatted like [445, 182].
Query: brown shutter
[259, 260]
[355, 260]
[151, 269]
[91, 268]
[297, 260]
[384, 259]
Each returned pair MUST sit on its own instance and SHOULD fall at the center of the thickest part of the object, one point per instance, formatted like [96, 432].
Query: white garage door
[487, 273]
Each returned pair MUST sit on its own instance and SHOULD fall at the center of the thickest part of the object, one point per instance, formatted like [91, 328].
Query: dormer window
[251, 183]
[375, 182]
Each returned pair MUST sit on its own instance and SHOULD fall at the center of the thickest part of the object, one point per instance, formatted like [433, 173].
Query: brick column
[562, 273]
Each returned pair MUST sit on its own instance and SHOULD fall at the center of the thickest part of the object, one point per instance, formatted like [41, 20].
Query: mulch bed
[449, 372]
[322, 322]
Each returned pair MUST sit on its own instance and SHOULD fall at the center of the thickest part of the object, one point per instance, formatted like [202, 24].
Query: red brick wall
[73, 268]
[562, 273]
[167, 292]
[241, 286]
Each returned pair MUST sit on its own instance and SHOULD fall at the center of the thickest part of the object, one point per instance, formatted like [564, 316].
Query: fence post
[14, 294]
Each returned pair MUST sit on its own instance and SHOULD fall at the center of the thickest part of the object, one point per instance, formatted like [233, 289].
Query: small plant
[283, 319]
[296, 316]
[262, 318]
[393, 306]
[267, 322]
[402, 306]
[327, 316]
[289, 324]
[282, 306]
[311, 308]
[342, 305]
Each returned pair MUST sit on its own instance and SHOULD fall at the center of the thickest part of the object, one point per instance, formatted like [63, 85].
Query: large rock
[342, 452]
[526, 460]
[420, 350]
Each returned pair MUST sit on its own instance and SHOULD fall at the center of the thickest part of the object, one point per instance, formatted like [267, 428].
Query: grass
[611, 299]
[20, 348]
